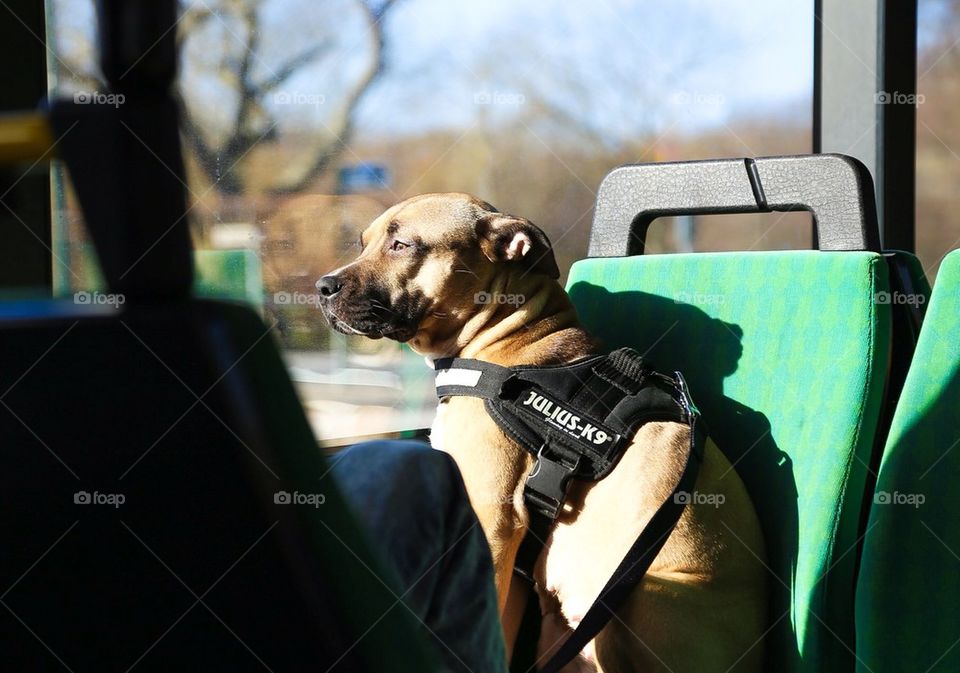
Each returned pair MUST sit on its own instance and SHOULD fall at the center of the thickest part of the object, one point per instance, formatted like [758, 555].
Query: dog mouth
[344, 327]
[363, 308]
[367, 326]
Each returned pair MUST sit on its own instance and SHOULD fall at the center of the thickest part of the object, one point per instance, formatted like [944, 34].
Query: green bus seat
[785, 354]
[236, 275]
[908, 298]
[909, 583]
[229, 274]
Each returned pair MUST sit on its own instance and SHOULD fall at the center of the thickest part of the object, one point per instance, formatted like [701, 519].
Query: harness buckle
[547, 483]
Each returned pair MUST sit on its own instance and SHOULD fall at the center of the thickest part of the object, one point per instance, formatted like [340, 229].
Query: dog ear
[505, 238]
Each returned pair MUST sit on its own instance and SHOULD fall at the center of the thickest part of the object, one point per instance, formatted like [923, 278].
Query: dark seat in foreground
[148, 456]
[162, 503]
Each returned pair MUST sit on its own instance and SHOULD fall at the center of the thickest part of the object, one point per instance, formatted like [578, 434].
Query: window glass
[938, 134]
[304, 119]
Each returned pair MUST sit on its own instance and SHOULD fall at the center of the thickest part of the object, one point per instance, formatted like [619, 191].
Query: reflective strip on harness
[458, 377]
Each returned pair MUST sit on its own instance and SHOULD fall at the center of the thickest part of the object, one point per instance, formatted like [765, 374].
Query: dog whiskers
[378, 305]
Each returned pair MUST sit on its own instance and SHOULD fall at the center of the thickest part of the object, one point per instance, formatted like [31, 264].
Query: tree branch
[240, 138]
[206, 156]
[284, 72]
[345, 122]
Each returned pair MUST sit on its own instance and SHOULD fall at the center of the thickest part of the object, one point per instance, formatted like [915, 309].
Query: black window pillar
[25, 258]
[865, 74]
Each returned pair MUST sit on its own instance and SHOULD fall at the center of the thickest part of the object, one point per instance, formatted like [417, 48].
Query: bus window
[938, 138]
[304, 119]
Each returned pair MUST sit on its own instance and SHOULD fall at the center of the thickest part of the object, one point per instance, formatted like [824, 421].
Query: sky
[613, 68]
[618, 63]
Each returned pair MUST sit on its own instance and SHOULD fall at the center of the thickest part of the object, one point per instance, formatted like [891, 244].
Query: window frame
[27, 258]
[849, 114]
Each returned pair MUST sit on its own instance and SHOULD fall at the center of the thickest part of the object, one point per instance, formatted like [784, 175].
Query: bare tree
[252, 73]
[221, 155]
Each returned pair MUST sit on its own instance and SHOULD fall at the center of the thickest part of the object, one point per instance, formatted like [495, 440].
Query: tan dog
[702, 605]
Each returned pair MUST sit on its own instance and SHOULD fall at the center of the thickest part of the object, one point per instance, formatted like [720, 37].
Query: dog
[431, 272]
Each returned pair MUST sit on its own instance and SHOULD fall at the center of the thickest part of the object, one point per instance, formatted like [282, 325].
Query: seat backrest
[785, 353]
[146, 453]
[909, 583]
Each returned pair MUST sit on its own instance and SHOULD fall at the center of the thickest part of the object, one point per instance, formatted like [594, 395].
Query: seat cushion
[785, 354]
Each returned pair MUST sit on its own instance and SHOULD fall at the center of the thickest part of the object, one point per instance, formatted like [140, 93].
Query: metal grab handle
[836, 188]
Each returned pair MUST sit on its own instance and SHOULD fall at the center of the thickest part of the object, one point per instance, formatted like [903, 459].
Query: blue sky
[622, 65]
[615, 68]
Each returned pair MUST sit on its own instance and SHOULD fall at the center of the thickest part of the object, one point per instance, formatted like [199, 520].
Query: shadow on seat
[681, 337]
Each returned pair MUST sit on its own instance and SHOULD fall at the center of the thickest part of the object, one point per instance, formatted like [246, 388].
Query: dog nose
[328, 286]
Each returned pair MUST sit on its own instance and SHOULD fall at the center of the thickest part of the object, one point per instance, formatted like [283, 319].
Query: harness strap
[635, 563]
[577, 419]
[538, 529]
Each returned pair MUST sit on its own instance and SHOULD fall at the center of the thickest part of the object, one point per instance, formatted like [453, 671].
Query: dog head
[424, 262]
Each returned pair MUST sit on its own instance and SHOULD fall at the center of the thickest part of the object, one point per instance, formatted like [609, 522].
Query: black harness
[577, 420]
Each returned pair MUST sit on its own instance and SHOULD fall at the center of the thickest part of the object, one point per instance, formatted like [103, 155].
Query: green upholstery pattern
[785, 354]
[229, 274]
[909, 586]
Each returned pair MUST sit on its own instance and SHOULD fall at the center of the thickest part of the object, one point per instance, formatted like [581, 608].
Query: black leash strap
[578, 419]
[635, 563]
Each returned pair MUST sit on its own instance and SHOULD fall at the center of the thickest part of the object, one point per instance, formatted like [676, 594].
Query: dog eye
[399, 245]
